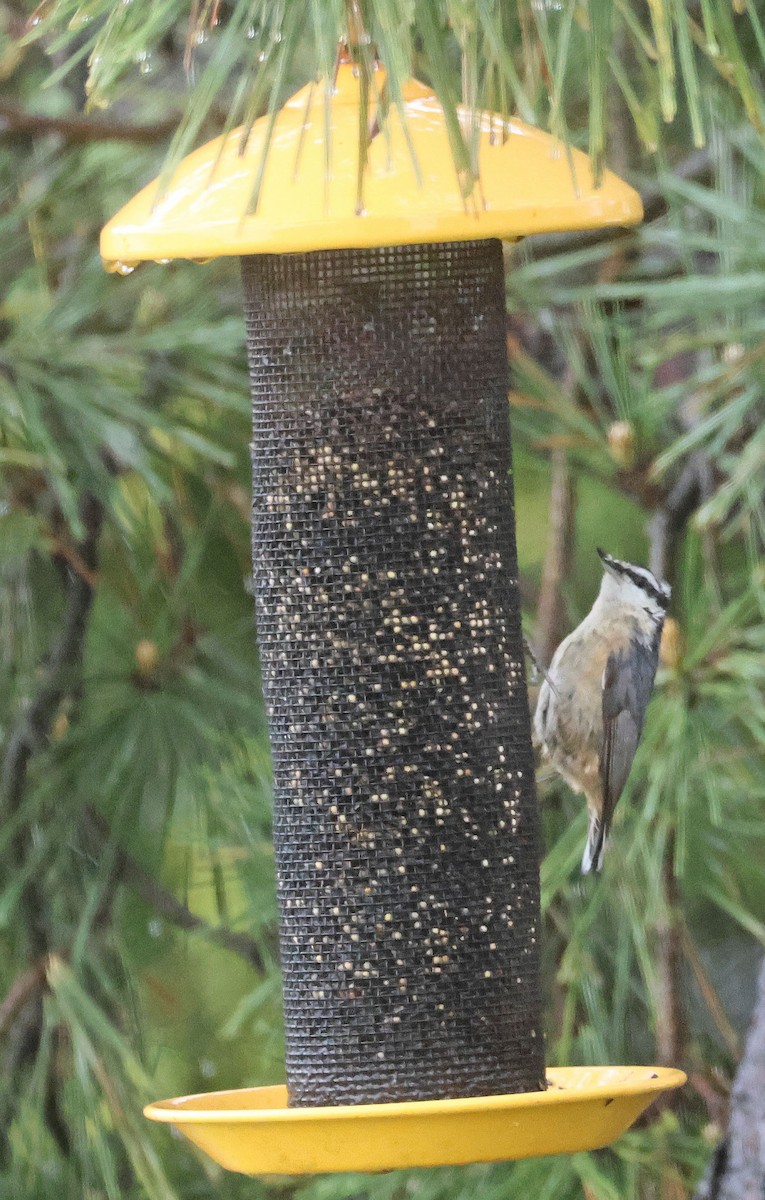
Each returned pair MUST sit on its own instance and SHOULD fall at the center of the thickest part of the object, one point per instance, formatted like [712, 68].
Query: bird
[593, 699]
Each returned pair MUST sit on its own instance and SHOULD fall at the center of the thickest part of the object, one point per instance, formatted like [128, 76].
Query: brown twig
[69, 558]
[77, 129]
[129, 871]
[665, 528]
[711, 999]
[671, 517]
[715, 1101]
[21, 1013]
[23, 987]
[671, 1028]
[551, 614]
[671, 1031]
[34, 725]
[63, 663]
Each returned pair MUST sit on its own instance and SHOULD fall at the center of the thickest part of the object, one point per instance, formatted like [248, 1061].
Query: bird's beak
[607, 561]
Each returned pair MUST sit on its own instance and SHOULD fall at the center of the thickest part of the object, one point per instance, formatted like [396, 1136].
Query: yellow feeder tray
[253, 1131]
[530, 183]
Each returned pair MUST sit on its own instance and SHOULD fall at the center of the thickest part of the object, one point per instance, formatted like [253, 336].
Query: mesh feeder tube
[388, 620]
[405, 821]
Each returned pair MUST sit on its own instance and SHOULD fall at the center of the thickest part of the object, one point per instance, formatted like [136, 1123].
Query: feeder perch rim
[650, 1079]
[529, 183]
[584, 1108]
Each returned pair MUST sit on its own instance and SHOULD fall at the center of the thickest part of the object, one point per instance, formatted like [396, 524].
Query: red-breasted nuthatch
[592, 702]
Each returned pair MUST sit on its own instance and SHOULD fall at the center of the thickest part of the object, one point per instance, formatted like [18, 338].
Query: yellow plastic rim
[251, 1130]
[308, 200]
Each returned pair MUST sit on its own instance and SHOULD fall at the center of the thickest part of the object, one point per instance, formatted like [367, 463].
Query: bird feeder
[388, 616]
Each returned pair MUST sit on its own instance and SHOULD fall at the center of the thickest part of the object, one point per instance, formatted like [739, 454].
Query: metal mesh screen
[389, 629]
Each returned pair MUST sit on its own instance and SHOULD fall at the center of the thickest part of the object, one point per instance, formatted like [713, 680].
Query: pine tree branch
[64, 660]
[716, 1100]
[670, 518]
[34, 726]
[705, 986]
[77, 129]
[20, 1024]
[21, 1013]
[560, 539]
[551, 616]
[671, 1033]
[665, 528]
[129, 871]
[23, 987]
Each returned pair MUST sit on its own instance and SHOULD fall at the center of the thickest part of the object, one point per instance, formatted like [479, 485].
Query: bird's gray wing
[627, 684]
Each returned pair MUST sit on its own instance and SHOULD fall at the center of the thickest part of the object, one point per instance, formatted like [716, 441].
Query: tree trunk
[737, 1170]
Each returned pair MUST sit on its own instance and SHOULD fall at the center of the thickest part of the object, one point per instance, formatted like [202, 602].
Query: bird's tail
[592, 859]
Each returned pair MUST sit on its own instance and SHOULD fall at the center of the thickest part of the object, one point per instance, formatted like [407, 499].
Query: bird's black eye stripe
[640, 581]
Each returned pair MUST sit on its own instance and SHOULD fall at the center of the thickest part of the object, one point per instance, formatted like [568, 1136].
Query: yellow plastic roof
[529, 183]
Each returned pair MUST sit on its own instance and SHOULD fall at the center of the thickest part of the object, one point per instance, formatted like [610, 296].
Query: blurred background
[138, 939]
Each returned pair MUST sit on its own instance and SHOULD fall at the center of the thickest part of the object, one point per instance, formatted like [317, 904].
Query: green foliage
[136, 850]
[522, 57]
